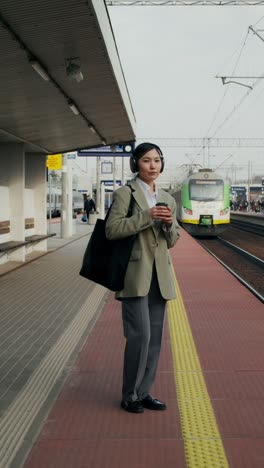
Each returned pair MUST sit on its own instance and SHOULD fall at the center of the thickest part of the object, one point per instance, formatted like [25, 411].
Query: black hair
[139, 151]
[143, 148]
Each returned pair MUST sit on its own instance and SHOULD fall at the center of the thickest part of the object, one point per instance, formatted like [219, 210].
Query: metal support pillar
[66, 202]
[98, 183]
[102, 204]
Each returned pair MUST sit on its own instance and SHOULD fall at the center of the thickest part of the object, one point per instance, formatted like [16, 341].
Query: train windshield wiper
[203, 199]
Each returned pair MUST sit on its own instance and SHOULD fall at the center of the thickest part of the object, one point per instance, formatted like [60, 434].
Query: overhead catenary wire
[254, 85]
[257, 82]
[226, 90]
[237, 106]
[258, 21]
[79, 167]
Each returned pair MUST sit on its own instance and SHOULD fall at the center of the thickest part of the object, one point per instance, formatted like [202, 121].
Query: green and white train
[203, 205]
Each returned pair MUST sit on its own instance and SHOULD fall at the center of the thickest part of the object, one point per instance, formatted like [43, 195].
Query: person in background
[89, 207]
[149, 281]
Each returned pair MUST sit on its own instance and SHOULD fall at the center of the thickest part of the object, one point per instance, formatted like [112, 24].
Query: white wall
[22, 195]
[29, 209]
[36, 181]
[12, 159]
[4, 210]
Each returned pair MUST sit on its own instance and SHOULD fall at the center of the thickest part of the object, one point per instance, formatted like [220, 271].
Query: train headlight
[224, 212]
[187, 211]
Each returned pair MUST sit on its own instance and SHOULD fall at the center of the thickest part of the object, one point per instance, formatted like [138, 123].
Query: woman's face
[149, 166]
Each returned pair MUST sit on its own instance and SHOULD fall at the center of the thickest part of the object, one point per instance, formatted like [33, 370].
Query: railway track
[245, 266]
[248, 227]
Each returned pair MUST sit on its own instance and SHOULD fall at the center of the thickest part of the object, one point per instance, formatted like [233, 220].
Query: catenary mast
[184, 2]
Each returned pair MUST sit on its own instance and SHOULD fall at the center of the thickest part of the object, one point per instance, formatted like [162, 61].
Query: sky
[171, 56]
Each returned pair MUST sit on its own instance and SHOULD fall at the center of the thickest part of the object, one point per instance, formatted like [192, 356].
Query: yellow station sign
[54, 162]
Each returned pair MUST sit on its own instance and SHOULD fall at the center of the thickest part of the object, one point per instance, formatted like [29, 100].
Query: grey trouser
[143, 319]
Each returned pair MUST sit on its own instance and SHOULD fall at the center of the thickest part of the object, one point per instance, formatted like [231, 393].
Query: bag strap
[130, 208]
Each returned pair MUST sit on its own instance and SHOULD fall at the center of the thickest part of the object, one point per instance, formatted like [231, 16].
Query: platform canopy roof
[47, 46]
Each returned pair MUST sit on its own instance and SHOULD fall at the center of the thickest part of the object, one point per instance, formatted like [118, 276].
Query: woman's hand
[162, 213]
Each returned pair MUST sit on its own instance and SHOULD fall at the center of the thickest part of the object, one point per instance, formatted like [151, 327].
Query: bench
[38, 237]
[12, 245]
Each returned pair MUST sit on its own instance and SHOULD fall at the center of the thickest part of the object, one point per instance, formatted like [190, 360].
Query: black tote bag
[105, 261]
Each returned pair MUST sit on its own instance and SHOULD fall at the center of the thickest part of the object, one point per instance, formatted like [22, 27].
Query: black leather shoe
[132, 406]
[153, 404]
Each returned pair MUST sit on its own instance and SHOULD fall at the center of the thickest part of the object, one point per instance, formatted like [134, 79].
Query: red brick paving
[87, 429]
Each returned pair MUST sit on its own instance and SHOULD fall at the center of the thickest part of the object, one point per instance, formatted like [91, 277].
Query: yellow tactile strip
[202, 441]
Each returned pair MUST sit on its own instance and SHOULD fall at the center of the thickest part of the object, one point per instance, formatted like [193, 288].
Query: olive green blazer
[152, 242]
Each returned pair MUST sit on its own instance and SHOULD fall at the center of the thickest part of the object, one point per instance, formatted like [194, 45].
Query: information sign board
[106, 167]
[113, 150]
[54, 162]
[110, 183]
[71, 156]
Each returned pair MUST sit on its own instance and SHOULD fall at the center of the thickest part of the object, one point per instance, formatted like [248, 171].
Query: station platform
[61, 352]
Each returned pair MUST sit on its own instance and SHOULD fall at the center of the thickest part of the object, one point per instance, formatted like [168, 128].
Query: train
[203, 204]
[53, 202]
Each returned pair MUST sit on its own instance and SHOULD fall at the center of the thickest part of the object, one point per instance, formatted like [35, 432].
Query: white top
[150, 197]
[152, 200]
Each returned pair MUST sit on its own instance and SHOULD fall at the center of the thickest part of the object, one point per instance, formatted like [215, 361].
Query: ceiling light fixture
[73, 108]
[104, 142]
[73, 69]
[91, 127]
[39, 69]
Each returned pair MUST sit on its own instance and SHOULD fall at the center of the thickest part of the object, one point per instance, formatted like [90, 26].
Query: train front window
[206, 190]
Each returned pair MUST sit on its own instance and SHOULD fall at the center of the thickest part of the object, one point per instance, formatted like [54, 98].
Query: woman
[149, 281]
